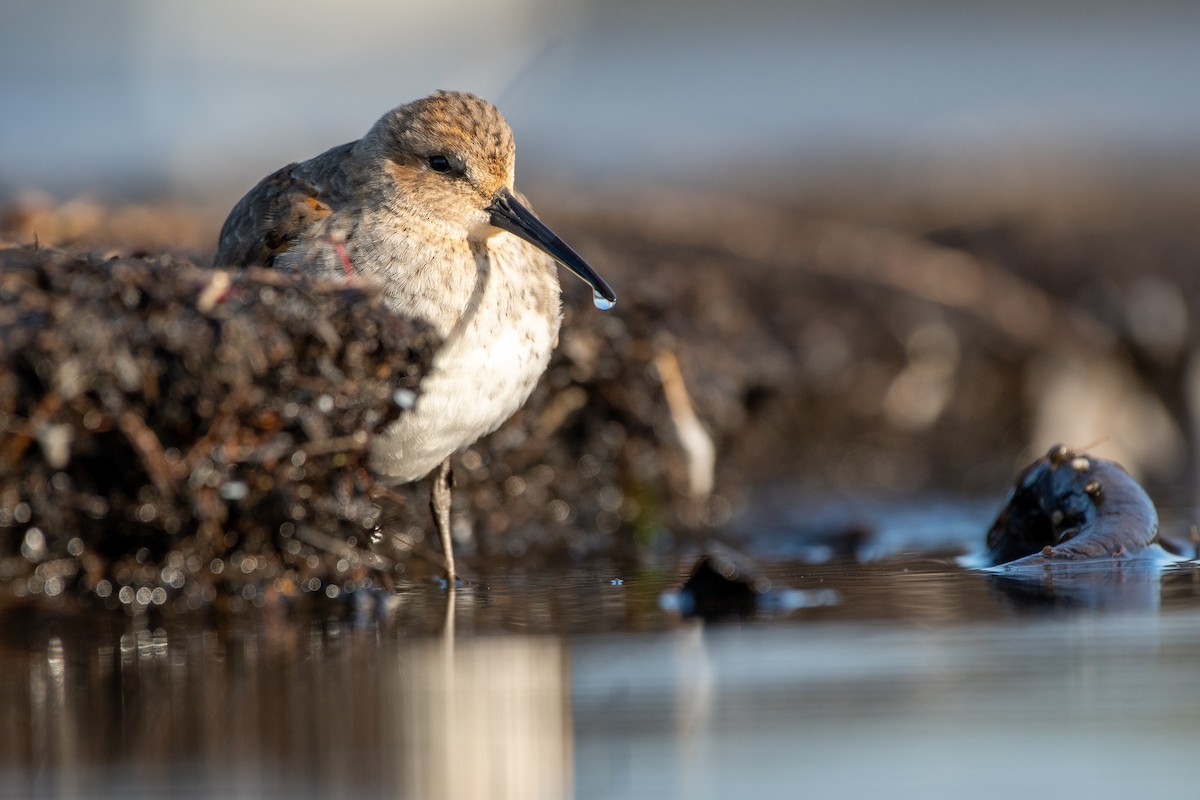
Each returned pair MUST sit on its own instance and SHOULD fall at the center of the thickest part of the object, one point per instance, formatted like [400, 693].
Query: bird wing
[288, 205]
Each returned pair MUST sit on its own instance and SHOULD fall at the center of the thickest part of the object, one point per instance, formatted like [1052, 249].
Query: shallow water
[912, 677]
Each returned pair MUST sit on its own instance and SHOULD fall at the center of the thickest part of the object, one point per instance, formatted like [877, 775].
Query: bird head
[451, 157]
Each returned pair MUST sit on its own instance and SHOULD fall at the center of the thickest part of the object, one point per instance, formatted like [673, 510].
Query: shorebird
[424, 205]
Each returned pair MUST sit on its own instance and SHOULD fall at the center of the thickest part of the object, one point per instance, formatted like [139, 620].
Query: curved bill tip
[509, 214]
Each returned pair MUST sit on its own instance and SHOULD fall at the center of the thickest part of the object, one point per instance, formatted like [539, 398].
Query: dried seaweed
[165, 427]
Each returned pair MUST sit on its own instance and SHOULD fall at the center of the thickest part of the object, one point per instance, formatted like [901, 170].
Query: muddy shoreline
[824, 347]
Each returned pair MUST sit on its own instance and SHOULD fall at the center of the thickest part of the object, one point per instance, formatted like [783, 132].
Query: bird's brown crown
[468, 131]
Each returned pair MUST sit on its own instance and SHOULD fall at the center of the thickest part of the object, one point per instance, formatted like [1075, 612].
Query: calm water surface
[912, 677]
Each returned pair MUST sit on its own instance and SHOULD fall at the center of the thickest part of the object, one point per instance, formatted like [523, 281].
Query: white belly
[483, 373]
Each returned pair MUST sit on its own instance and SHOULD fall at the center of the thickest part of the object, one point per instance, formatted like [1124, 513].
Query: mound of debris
[167, 430]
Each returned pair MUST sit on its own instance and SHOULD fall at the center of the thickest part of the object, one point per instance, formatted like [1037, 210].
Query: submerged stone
[1069, 506]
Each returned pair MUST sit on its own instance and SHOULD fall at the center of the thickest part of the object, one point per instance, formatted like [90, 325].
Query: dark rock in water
[164, 426]
[1069, 506]
[722, 583]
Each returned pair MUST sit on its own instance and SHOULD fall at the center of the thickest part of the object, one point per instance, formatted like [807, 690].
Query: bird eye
[439, 163]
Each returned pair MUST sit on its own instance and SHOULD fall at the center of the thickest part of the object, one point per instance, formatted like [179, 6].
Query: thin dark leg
[439, 503]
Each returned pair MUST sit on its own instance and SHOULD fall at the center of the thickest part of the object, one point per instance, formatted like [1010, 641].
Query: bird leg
[342, 254]
[439, 503]
[338, 242]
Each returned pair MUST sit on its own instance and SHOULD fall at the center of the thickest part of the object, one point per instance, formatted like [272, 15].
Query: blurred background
[200, 98]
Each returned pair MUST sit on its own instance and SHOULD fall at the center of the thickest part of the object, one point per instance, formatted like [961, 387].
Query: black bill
[508, 214]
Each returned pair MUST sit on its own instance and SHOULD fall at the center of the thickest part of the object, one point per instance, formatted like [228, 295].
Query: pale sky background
[204, 98]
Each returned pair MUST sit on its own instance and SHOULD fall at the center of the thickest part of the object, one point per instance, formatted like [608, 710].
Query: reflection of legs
[439, 502]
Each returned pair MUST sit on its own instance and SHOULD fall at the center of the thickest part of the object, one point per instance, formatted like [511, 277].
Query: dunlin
[424, 204]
